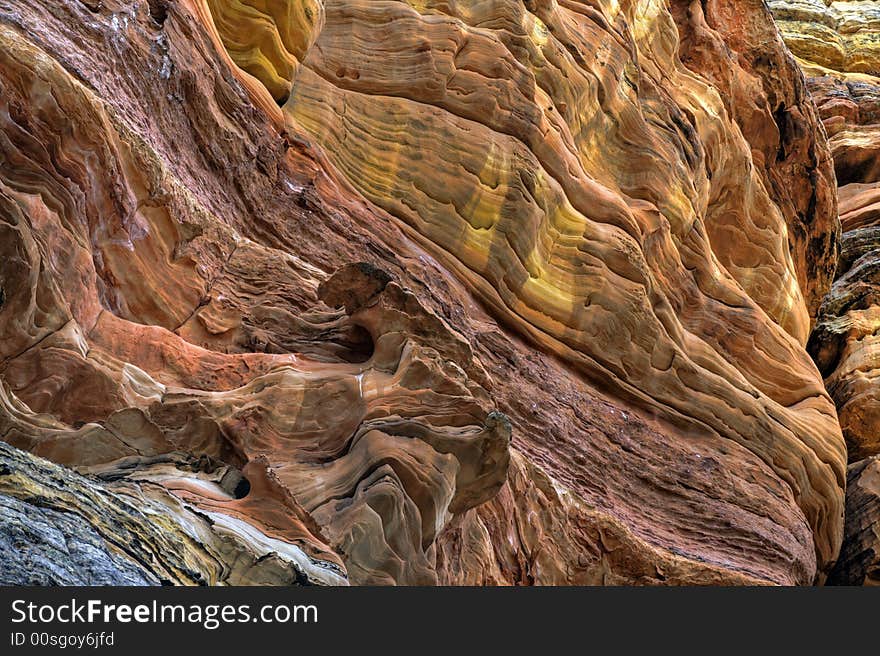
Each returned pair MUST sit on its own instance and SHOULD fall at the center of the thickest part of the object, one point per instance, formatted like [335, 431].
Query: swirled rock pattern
[838, 44]
[430, 292]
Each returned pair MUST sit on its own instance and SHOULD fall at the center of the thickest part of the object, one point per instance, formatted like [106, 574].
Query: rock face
[839, 47]
[859, 562]
[424, 292]
[848, 97]
[59, 528]
[840, 36]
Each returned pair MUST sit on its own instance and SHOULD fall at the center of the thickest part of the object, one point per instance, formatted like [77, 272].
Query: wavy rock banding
[435, 292]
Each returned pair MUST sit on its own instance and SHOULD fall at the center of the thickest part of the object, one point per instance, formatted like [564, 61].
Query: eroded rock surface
[309, 267]
[838, 44]
[847, 91]
[60, 528]
[859, 562]
[841, 36]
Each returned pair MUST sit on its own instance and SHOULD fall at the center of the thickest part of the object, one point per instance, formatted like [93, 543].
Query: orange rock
[347, 250]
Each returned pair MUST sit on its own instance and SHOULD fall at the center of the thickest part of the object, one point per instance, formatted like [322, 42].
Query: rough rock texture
[859, 562]
[839, 47]
[848, 97]
[307, 268]
[59, 528]
[841, 36]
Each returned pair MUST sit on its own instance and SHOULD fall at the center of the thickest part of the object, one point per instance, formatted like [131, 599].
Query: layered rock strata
[838, 44]
[859, 562]
[60, 528]
[308, 267]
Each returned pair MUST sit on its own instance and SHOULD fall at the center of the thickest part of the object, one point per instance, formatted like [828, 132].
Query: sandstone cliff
[511, 292]
[838, 44]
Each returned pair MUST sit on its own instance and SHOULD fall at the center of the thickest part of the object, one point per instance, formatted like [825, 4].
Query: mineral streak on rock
[425, 292]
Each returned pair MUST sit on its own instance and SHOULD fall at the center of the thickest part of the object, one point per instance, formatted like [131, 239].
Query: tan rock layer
[859, 562]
